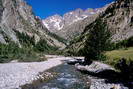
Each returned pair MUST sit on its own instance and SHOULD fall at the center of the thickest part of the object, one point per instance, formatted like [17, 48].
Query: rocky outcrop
[119, 19]
[17, 16]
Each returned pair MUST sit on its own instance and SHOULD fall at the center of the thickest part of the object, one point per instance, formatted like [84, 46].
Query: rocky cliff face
[119, 18]
[16, 16]
[76, 28]
[72, 23]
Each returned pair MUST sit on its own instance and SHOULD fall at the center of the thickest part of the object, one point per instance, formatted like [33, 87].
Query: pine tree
[98, 40]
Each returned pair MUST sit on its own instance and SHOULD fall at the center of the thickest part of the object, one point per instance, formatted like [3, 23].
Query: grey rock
[74, 61]
[95, 67]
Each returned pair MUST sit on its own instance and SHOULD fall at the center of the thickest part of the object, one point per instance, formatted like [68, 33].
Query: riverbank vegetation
[27, 50]
[12, 51]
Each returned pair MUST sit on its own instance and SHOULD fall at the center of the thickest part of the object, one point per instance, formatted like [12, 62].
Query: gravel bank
[98, 70]
[13, 75]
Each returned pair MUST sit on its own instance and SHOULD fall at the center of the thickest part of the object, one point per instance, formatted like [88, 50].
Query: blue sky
[45, 8]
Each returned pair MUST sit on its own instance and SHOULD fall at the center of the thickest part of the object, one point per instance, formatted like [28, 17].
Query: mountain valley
[81, 49]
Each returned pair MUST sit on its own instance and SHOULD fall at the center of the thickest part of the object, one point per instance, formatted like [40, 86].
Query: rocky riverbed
[13, 75]
[55, 73]
[102, 76]
[67, 78]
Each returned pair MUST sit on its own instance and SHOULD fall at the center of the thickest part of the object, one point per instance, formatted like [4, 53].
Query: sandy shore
[13, 75]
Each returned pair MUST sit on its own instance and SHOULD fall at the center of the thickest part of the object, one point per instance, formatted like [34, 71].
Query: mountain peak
[57, 22]
[79, 10]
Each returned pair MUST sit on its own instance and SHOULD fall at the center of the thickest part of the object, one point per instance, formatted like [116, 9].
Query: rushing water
[68, 78]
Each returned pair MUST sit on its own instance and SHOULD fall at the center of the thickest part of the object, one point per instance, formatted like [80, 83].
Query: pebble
[15, 74]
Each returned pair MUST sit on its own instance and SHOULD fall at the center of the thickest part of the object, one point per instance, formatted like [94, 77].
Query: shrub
[123, 44]
[12, 51]
[58, 37]
[43, 46]
[24, 39]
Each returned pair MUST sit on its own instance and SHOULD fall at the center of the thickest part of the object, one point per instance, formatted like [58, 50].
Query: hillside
[118, 17]
[17, 18]
[23, 36]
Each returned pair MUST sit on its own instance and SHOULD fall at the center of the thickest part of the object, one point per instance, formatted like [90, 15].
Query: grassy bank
[114, 56]
[122, 60]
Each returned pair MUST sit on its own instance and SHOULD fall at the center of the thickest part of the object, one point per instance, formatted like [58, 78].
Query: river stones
[95, 67]
[74, 61]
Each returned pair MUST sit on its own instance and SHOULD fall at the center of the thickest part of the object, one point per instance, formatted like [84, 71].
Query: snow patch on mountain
[54, 22]
[57, 22]
[46, 24]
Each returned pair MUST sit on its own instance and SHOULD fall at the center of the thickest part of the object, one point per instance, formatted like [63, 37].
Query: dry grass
[115, 55]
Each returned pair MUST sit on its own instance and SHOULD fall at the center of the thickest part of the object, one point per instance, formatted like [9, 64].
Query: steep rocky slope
[76, 28]
[16, 17]
[72, 23]
[119, 18]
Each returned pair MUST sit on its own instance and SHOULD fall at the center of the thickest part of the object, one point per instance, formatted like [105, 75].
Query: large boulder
[95, 67]
[75, 61]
